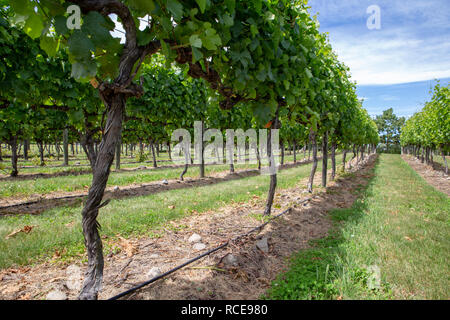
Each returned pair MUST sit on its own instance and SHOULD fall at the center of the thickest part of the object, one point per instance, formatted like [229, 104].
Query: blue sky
[396, 65]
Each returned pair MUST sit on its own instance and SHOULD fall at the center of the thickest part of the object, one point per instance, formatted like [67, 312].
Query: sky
[397, 65]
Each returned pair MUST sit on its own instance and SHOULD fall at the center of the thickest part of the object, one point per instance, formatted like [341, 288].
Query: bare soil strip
[436, 178]
[31, 176]
[210, 278]
[36, 204]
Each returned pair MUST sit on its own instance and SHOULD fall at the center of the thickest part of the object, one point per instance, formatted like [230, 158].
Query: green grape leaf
[201, 5]
[176, 8]
[49, 45]
[143, 6]
[195, 41]
[80, 46]
[34, 26]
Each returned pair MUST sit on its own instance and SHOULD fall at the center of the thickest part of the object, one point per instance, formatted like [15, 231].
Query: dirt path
[37, 204]
[210, 278]
[436, 178]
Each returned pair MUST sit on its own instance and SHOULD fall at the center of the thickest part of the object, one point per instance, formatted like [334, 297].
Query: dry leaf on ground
[26, 229]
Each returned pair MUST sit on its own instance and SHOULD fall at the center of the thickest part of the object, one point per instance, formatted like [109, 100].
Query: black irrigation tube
[29, 203]
[144, 284]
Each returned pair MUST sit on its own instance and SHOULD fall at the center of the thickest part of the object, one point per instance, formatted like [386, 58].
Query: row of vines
[227, 63]
[428, 131]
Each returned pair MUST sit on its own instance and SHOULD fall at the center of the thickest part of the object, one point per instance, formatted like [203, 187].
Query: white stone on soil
[154, 272]
[56, 295]
[230, 260]
[74, 278]
[195, 238]
[263, 245]
[199, 246]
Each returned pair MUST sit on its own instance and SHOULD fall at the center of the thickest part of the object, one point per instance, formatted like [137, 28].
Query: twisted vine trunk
[231, 157]
[169, 150]
[26, 147]
[155, 164]
[202, 152]
[87, 143]
[118, 152]
[313, 140]
[187, 160]
[105, 157]
[344, 156]
[324, 159]
[333, 161]
[13, 144]
[354, 156]
[445, 162]
[309, 152]
[295, 152]
[259, 159]
[272, 165]
[58, 150]
[186, 167]
[41, 152]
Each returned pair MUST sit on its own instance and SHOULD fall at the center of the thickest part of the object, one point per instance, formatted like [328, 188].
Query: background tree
[389, 129]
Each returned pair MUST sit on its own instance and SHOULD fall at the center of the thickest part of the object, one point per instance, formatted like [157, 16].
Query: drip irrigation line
[144, 284]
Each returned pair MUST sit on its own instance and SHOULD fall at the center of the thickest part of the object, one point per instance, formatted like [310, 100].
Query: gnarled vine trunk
[87, 143]
[202, 152]
[333, 161]
[152, 145]
[445, 162]
[272, 168]
[105, 158]
[258, 156]
[295, 152]
[41, 152]
[26, 148]
[118, 153]
[313, 140]
[66, 147]
[344, 156]
[169, 150]
[13, 144]
[324, 159]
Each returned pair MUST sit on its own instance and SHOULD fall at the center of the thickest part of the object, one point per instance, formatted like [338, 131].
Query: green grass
[80, 182]
[59, 228]
[399, 224]
[83, 181]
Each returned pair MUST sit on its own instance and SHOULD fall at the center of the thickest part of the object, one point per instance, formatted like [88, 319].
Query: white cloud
[392, 57]
[413, 44]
